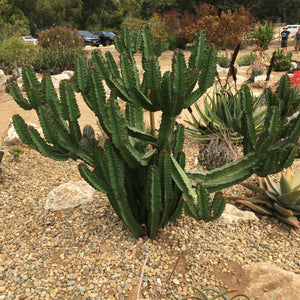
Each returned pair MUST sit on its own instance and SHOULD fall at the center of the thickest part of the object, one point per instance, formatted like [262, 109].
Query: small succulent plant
[16, 151]
[281, 200]
[203, 296]
[257, 68]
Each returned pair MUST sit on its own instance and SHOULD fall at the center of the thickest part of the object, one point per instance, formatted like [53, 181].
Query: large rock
[222, 72]
[2, 77]
[294, 65]
[241, 79]
[265, 278]
[56, 79]
[10, 136]
[260, 280]
[260, 81]
[232, 213]
[69, 195]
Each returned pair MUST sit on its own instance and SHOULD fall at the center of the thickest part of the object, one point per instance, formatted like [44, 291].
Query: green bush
[158, 29]
[172, 40]
[223, 61]
[133, 24]
[257, 69]
[56, 61]
[6, 67]
[15, 51]
[246, 60]
[56, 37]
[282, 60]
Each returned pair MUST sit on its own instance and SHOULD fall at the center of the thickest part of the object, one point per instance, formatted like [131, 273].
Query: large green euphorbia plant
[143, 175]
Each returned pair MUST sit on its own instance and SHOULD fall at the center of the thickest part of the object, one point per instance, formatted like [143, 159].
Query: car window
[85, 33]
[108, 34]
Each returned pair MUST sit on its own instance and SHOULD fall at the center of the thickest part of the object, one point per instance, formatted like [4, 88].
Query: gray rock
[69, 195]
[231, 213]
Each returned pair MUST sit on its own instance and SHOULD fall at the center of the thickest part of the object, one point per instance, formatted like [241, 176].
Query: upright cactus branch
[143, 175]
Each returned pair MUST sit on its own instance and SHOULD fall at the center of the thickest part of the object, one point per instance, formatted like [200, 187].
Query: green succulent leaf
[290, 199]
[257, 208]
[283, 211]
[289, 220]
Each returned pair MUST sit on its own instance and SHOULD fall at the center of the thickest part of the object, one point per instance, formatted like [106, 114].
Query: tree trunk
[17, 69]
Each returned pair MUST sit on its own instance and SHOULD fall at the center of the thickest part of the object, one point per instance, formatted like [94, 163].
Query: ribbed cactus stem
[152, 120]
[166, 130]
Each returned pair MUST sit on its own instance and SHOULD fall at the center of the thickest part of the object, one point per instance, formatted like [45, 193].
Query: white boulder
[10, 136]
[260, 81]
[294, 65]
[232, 213]
[69, 195]
[56, 79]
[2, 77]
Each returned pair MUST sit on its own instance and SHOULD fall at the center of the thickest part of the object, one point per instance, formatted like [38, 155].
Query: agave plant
[281, 200]
[223, 113]
[203, 296]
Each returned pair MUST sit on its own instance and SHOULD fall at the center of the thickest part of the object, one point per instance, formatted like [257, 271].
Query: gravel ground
[87, 253]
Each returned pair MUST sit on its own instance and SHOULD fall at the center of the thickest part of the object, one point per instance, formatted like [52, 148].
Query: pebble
[89, 254]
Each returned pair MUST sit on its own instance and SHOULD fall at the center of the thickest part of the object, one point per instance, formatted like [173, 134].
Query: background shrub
[246, 60]
[172, 40]
[15, 51]
[257, 69]
[133, 23]
[56, 37]
[58, 60]
[282, 61]
[223, 61]
[158, 29]
[6, 67]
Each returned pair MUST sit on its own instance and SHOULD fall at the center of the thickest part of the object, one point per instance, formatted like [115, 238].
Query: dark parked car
[106, 37]
[89, 38]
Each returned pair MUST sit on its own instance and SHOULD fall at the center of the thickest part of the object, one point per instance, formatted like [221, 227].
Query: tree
[263, 34]
[150, 6]
[99, 15]
[50, 13]
[287, 11]
[226, 30]
[17, 52]
[12, 20]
